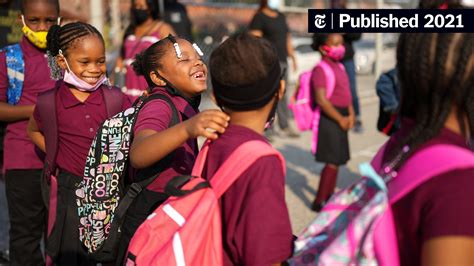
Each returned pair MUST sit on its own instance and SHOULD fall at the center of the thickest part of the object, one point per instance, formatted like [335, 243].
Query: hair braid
[436, 73]
[61, 38]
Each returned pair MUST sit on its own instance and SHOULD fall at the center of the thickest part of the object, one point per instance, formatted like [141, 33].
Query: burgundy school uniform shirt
[156, 115]
[19, 151]
[77, 124]
[442, 206]
[341, 96]
[255, 221]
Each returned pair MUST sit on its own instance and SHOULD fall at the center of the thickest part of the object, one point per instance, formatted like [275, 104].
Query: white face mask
[71, 78]
[274, 4]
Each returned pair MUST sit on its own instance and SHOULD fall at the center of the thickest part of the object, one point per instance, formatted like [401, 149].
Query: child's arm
[329, 110]
[13, 113]
[291, 52]
[35, 134]
[150, 146]
[352, 117]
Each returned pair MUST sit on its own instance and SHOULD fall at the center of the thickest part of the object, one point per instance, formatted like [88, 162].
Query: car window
[304, 49]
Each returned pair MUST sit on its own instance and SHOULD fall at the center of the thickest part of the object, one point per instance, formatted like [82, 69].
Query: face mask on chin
[81, 85]
[37, 38]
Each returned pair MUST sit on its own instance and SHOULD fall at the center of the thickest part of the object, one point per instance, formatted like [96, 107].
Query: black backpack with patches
[102, 197]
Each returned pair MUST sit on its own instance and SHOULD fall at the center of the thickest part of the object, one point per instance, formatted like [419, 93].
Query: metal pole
[97, 15]
[161, 4]
[116, 22]
[378, 47]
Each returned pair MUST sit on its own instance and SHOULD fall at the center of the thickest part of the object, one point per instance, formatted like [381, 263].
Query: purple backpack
[301, 103]
[356, 226]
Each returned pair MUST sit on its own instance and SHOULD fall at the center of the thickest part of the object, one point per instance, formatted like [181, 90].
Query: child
[146, 28]
[247, 82]
[22, 163]
[337, 114]
[77, 50]
[172, 67]
[434, 221]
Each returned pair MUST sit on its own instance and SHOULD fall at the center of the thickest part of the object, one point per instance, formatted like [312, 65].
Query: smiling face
[188, 74]
[40, 15]
[86, 58]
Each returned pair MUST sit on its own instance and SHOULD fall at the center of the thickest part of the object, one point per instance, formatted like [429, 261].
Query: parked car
[364, 57]
[306, 57]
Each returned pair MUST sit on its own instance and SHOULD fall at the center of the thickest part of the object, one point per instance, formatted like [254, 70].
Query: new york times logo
[390, 20]
[320, 21]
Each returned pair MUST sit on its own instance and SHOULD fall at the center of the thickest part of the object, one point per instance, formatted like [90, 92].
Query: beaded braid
[436, 71]
[59, 39]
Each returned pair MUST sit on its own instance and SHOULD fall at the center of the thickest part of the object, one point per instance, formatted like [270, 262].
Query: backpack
[186, 229]
[102, 197]
[388, 91]
[15, 72]
[46, 105]
[356, 226]
[16, 75]
[302, 103]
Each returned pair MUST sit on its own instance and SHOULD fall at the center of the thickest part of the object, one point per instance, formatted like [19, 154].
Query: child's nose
[198, 62]
[43, 25]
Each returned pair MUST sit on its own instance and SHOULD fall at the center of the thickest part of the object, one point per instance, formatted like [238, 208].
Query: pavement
[302, 171]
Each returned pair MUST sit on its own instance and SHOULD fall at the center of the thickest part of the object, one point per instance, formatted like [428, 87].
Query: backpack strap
[236, 164]
[113, 100]
[137, 187]
[15, 71]
[330, 77]
[428, 163]
[46, 105]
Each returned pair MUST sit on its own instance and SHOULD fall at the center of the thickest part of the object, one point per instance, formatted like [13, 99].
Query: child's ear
[281, 90]
[157, 79]
[61, 62]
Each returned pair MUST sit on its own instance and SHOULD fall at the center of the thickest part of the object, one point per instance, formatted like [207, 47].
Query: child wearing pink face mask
[337, 114]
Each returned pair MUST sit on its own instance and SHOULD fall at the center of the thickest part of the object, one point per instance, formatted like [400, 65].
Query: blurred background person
[146, 27]
[271, 24]
[177, 16]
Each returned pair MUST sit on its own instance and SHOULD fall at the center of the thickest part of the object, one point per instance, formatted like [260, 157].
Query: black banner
[390, 20]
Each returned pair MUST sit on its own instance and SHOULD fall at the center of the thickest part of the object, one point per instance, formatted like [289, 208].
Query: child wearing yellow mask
[24, 73]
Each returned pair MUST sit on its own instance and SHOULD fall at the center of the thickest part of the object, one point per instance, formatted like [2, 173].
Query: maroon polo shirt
[19, 151]
[341, 96]
[156, 115]
[77, 125]
[442, 206]
[256, 224]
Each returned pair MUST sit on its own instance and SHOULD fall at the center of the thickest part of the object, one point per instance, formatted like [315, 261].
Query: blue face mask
[274, 4]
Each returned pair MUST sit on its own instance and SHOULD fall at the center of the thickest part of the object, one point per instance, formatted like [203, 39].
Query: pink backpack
[306, 117]
[356, 226]
[186, 229]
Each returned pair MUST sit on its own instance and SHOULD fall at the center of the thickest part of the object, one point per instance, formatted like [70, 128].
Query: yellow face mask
[38, 38]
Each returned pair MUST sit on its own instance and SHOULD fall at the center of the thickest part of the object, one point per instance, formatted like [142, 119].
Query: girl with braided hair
[434, 221]
[82, 101]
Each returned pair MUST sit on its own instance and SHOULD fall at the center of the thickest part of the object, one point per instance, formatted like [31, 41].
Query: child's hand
[207, 124]
[352, 119]
[345, 123]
